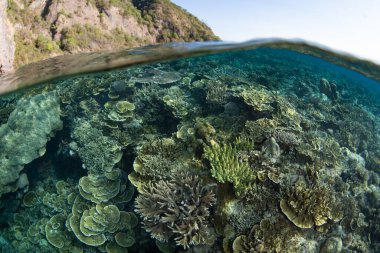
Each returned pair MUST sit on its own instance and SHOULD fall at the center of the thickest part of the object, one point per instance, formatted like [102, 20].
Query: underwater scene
[238, 151]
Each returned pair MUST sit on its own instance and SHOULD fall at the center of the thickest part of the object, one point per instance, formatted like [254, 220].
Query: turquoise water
[192, 148]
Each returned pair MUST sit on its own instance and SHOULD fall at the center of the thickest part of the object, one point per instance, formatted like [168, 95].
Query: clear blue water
[203, 148]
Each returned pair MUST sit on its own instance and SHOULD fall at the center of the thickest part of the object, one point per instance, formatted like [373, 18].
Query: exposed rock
[7, 45]
[48, 28]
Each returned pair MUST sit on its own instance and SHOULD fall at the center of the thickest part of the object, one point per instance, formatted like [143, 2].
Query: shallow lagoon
[251, 150]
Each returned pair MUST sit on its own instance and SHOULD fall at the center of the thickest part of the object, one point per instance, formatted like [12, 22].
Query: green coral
[159, 159]
[227, 166]
[260, 100]
[175, 100]
[99, 153]
[56, 232]
[23, 138]
[98, 189]
[30, 199]
[92, 224]
[216, 92]
[119, 111]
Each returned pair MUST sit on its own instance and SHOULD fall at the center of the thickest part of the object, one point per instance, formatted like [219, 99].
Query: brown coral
[178, 209]
[273, 235]
[308, 206]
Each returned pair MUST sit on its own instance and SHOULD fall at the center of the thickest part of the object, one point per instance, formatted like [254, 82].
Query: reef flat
[264, 150]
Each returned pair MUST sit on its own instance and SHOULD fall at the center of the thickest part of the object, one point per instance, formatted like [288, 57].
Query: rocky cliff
[45, 28]
[7, 45]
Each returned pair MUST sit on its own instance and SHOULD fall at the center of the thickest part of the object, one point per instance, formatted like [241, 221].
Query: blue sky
[351, 26]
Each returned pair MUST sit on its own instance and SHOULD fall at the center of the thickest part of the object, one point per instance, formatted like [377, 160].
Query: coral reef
[255, 151]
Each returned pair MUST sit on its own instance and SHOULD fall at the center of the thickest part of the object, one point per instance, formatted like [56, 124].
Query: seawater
[267, 146]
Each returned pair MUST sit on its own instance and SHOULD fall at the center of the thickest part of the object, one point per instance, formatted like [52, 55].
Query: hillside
[45, 28]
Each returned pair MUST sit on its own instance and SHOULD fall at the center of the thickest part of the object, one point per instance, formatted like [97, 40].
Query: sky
[351, 26]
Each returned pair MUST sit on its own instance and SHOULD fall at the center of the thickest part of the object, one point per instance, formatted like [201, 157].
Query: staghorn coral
[226, 166]
[24, 137]
[308, 206]
[177, 209]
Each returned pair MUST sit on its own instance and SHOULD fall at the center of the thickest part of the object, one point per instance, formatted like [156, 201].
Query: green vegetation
[126, 7]
[29, 49]
[85, 36]
[59, 31]
[173, 22]
[45, 44]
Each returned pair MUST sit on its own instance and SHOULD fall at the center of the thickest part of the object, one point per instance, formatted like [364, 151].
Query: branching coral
[226, 166]
[177, 209]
